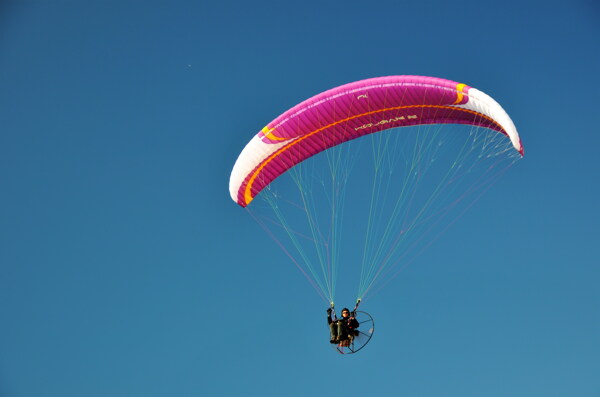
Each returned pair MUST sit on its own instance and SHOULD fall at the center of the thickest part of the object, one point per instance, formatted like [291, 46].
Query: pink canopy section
[356, 109]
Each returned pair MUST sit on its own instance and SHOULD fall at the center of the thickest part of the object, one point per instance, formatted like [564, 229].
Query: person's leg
[341, 331]
[333, 332]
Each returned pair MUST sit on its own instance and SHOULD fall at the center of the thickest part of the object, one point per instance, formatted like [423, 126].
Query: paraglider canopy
[354, 110]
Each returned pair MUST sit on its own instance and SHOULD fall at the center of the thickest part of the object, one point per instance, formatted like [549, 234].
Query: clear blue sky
[126, 269]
